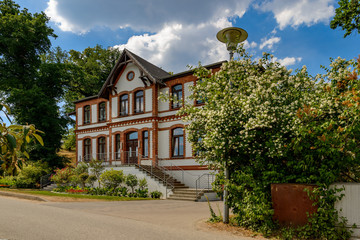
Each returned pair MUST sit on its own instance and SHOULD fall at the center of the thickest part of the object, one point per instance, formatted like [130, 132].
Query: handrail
[45, 180]
[208, 184]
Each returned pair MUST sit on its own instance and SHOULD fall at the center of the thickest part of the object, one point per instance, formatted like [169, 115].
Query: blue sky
[172, 33]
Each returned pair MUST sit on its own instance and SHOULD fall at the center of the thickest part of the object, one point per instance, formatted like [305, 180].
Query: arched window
[101, 149]
[139, 102]
[177, 142]
[177, 95]
[87, 114]
[102, 112]
[124, 105]
[145, 144]
[117, 146]
[87, 149]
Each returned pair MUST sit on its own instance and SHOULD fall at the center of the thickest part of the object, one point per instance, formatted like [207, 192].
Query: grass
[67, 195]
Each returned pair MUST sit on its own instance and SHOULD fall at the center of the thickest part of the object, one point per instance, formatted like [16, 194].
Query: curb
[22, 196]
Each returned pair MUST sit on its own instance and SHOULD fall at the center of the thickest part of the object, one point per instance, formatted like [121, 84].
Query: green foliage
[70, 140]
[131, 181]
[32, 82]
[89, 69]
[213, 217]
[143, 184]
[8, 181]
[96, 168]
[347, 16]
[30, 174]
[112, 178]
[14, 143]
[156, 194]
[270, 125]
[91, 180]
[62, 176]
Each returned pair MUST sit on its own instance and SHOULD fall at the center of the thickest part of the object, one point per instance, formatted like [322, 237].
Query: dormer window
[87, 114]
[102, 112]
[139, 102]
[124, 105]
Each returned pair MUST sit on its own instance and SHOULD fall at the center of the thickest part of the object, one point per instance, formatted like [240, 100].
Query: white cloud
[288, 60]
[295, 13]
[269, 43]
[81, 16]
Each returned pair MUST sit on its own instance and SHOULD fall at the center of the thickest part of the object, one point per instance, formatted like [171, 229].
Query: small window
[177, 142]
[87, 114]
[117, 146]
[130, 75]
[87, 150]
[101, 149]
[145, 144]
[177, 95]
[102, 112]
[124, 104]
[139, 102]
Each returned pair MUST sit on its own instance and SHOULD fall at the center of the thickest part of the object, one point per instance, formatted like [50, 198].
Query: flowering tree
[272, 126]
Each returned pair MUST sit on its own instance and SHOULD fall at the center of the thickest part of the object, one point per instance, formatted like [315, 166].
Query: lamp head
[232, 36]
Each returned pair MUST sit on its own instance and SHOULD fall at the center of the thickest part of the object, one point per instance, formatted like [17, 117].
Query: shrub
[155, 194]
[96, 168]
[62, 176]
[112, 178]
[30, 175]
[91, 179]
[143, 193]
[7, 181]
[143, 184]
[131, 181]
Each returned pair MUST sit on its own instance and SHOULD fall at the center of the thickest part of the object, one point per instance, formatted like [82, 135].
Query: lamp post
[231, 36]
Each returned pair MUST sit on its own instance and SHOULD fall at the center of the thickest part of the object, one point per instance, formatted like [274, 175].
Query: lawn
[68, 195]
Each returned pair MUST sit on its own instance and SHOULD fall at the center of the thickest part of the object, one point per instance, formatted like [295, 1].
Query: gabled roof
[149, 71]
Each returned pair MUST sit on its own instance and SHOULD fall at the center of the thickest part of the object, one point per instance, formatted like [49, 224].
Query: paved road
[163, 219]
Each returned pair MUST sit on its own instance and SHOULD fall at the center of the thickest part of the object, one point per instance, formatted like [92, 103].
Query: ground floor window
[177, 143]
[87, 150]
[101, 149]
[145, 144]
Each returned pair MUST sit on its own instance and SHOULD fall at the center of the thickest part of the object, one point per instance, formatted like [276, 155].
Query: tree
[112, 178]
[272, 126]
[131, 181]
[70, 140]
[14, 144]
[347, 16]
[90, 69]
[31, 77]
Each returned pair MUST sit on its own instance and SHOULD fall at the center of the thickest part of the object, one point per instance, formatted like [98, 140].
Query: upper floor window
[124, 105]
[87, 149]
[139, 102]
[87, 114]
[102, 112]
[146, 144]
[101, 149]
[177, 143]
[177, 95]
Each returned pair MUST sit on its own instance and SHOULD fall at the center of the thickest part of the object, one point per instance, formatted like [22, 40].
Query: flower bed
[4, 186]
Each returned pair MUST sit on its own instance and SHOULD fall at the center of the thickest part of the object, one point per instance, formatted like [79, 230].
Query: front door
[132, 148]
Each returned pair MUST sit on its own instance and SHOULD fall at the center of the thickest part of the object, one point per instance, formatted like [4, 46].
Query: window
[177, 95]
[139, 102]
[117, 146]
[87, 114]
[87, 150]
[124, 103]
[101, 149]
[145, 144]
[102, 112]
[178, 142]
[130, 76]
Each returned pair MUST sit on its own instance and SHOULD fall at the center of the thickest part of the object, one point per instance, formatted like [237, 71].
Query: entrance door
[132, 148]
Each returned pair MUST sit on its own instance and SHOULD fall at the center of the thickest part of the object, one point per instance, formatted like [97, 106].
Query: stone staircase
[180, 190]
[50, 187]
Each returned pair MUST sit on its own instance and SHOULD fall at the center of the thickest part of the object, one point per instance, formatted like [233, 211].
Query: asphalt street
[162, 219]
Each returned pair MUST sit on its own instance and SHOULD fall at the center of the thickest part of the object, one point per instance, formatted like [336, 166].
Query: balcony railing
[117, 158]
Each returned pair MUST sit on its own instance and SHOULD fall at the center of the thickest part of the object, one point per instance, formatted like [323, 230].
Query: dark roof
[150, 71]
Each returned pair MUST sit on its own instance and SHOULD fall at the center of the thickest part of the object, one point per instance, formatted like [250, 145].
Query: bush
[131, 181]
[30, 175]
[62, 176]
[7, 181]
[112, 178]
[142, 184]
[155, 194]
[143, 193]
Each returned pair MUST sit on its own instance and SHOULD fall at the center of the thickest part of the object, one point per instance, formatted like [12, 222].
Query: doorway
[132, 148]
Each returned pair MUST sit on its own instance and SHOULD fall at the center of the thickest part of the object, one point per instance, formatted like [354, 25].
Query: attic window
[130, 75]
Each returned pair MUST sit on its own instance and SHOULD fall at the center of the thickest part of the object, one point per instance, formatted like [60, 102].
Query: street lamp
[231, 36]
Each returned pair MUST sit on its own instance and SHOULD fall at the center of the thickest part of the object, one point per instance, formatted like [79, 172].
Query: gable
[122, 82]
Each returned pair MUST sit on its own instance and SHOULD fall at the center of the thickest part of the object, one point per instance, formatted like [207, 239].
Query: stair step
[193, 199]
[183, 195]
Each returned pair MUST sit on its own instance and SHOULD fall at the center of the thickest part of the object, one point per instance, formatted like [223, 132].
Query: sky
[175, 33]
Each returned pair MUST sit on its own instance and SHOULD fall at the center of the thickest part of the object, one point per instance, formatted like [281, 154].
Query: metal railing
[204, 182]
[45, 180]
